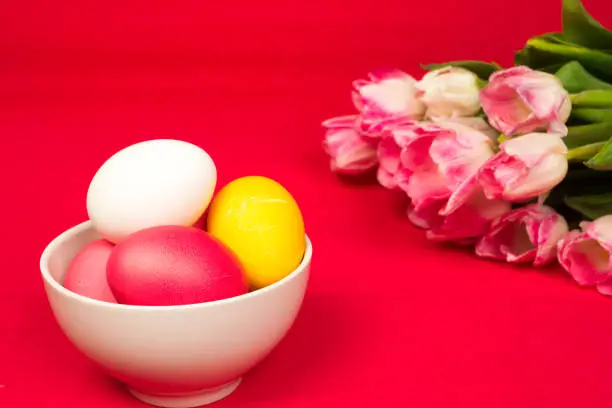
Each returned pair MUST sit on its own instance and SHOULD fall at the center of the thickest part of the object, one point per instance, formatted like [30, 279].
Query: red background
[390, 319]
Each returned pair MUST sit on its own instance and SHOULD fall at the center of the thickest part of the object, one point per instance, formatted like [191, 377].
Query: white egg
[157, 182]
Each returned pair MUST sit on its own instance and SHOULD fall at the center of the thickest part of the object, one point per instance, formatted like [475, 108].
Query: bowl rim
[83, 226]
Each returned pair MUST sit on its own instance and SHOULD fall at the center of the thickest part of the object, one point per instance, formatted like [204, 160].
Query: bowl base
[191, 400]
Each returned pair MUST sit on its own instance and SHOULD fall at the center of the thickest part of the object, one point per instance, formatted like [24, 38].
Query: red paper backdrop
[390, 319]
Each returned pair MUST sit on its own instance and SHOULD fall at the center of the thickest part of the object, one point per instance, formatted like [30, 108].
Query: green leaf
[593, 115]
[591, 206]
[521, 57]
[587, 134]
[482, 69]
[552, 69]
[595, 98]
[557, 38]
[603, 159]
[537, 59]
[581, 28]
[597, 62]
[560, 38]
[575, 78]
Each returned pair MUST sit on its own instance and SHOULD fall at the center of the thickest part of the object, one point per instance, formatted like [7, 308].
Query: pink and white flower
[450, 92]
[385, 97]
[465, 224]
[525, 167]
[527, 234]
[520, 100]
[395, 148]
[349, 151]
[475, 122]
[429, 161]
[586, 254]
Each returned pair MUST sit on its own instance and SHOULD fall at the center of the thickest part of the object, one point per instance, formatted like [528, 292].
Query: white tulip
[449, 92]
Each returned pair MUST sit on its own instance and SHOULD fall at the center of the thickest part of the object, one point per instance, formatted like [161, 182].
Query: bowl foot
[191, 400]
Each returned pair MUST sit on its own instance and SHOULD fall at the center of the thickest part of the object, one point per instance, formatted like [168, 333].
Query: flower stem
[584, 152]
[587, 134]
[593, 115]
[593, 98]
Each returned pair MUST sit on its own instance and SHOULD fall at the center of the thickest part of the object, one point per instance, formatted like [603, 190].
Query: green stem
[594, 98]
[593, 115]
[587, 134]
[584, 152]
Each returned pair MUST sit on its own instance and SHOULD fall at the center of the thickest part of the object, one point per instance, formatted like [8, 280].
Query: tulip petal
[500, 173]
[525, 234]
[349, 152]
[601, 230]
[426, 216]
[450, 92]
[605, 287]
[521, 100]
[584, 258]
[469, 221]
[539, 179]
[387, 97]
[525, 167]
[551, 230]
[461, 195]
[532, 146]
[346, 121]
[424, 186]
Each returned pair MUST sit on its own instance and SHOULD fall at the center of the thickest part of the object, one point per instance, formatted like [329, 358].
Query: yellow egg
[262, 223]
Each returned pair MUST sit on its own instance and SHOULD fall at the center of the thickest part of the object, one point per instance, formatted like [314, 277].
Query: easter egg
[261, 222]
[152, 183]
[86, 274]
[173, 265]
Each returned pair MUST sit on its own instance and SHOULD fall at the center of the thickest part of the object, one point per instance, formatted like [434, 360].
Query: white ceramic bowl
[172, 356]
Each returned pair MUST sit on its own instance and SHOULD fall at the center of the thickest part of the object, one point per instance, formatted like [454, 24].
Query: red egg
[173, 265]
[86, 274]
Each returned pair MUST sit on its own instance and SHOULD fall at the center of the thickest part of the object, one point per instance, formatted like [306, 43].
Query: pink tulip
[587, 254]
[520, 100]
[474, 122]
[432, 161]
[450, 92]
[526, 234]
[465, 224]
[443, 160]
[429, 161]
[393, 151]
[349, 152]
[525, 167]
[387, 96]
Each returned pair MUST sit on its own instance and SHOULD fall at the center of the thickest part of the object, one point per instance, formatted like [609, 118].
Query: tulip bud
[586, 254]
[450, 92]
[474, 122]
[526, 234]
[520, 100]
[525, 167]
[349, 152]
[464, 225]
[387, 96]
[429, 161]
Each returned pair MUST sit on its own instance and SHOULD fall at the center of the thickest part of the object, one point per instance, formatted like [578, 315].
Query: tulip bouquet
[514, 162]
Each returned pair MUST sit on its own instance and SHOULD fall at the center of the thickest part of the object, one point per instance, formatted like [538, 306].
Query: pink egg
[86, 274]
[173, 265]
